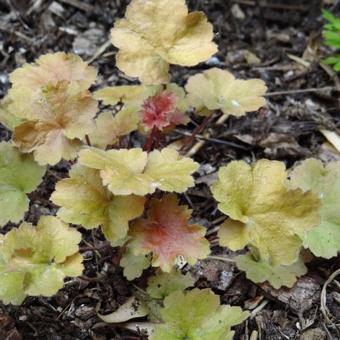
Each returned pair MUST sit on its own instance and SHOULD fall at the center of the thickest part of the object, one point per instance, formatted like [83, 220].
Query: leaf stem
[150, 140]
[87, 138]
[188, 141]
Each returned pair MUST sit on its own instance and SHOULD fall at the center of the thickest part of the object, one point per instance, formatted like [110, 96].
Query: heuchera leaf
[149, 39]
[160, 111]
[110, 128]
[163, 284]
[35, 260]
[197, 315]
[134, 264]
[19, 175]
[217, 89]
[136, 172]
[52, 106]
[53, 68]
[277, 276]
[131, 95]
[263, 212]
[85, 201]
[324, 240]
[167, 234]
[134, 96]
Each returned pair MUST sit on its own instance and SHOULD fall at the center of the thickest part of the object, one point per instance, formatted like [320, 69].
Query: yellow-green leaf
[149, 39]
[19, 175]
[85, 201]
[134, 264]
[324, 181]
[110, 128]
[197, 315]
[277, 276]
[217, 89]
[131, 95]
[35, 260]
[263, 212]
[136, 172]
[163, 284]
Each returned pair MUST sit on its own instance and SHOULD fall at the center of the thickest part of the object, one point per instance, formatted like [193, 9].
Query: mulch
[278, 41]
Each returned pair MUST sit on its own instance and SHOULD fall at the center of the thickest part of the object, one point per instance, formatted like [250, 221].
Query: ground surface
[254, 42]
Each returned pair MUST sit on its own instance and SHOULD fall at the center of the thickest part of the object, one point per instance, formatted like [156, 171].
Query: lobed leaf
[134, 264]
[134, 96]
[167, 234]
[149, 39]
[277, 276]
[19, 175]
[85, 201]
[49, 107]
[263, 212]
[35, 260]
[110, 128]
[136, 172]
[160, 111]
[324, 240]
[197, 315]
[131, 95]
[217, 89]
[62, 116]
[53, 68]
[163, 284]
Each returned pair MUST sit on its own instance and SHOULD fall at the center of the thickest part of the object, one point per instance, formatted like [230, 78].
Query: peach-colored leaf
[167, 234]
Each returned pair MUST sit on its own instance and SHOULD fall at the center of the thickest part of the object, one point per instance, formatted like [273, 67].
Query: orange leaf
[167, 234]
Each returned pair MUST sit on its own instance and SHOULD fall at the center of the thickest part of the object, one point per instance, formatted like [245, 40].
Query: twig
[220, 258]
[207, 135]
[78, 4]
[18, 34]
[323, 298]
[100, 51]
[274, 6]
[312, 89]
[198, 129]
[258, 308]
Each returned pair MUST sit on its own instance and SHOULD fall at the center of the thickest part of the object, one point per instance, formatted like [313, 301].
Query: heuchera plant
[132, 193]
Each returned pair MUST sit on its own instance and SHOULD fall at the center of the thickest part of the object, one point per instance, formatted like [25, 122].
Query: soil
[278, 41]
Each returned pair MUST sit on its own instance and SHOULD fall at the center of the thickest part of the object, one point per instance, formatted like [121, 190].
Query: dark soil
[287, 130]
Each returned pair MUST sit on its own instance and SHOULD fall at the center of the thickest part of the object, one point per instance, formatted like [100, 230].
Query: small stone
[87, 43]
[84, 312]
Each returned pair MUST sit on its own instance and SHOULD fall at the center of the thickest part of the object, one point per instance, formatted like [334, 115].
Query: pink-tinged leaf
[167, 234]
[160, 111]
